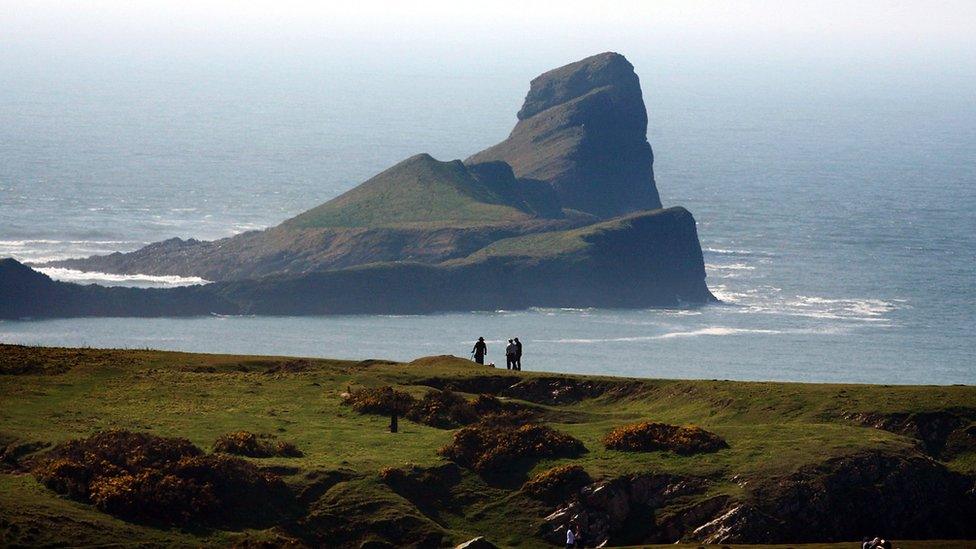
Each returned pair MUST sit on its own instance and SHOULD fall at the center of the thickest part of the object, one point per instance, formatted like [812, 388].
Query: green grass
[420, 192]
[554, 243]
[771, 428]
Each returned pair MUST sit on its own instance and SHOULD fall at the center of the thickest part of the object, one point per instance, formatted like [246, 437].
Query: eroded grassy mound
[142, 477]
[651, 437]
[246, 443]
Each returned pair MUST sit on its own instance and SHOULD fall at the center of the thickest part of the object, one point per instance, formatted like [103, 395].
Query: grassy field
[419, 191]
[52, 395]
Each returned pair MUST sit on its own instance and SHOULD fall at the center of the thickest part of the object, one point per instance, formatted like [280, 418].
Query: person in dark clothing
[518, 355]
[480, 350]
[510, 355]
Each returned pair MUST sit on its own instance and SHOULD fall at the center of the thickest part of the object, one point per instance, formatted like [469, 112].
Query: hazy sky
[478, 33]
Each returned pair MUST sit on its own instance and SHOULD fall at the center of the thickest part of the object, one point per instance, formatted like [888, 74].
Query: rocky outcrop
[622, 511]
[583, 130]
[906, 497]
[844, 498]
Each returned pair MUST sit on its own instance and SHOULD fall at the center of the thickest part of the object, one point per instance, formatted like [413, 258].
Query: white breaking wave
[109, 279]
[730, 267]
[709, 331]
[717, 331]
[744, 253]
[769, 300]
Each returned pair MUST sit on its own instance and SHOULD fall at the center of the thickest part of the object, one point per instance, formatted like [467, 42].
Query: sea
[836, 210]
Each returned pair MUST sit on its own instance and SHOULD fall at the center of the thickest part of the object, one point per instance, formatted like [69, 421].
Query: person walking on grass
[510, 355]
[518, 355]
[480, 350]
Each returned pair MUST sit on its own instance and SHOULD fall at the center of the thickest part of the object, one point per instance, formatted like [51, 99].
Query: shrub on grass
[245, 443]
[491, 449]
[141, 477]
[380, 400]
[557, 484]
[650, 437]
[443, 409]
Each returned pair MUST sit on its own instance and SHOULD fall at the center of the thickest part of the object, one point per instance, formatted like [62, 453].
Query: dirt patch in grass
[491, 450]
[145, 478]
[245, 443]
[651, 437]
[557, 484]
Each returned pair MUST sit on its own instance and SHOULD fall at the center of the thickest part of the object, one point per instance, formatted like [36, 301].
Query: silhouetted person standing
[518, 355]
[480, 350]
[510, 355]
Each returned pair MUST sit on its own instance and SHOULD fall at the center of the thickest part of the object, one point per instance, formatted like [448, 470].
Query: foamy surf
[109, 279]
[770, 300]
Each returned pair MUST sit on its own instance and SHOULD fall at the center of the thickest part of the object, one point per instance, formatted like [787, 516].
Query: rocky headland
[564, 212]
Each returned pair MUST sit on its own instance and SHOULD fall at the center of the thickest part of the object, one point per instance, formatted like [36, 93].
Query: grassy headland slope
[418, 191]
[802, 459]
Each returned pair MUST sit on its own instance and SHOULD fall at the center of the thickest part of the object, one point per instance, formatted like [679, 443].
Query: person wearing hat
[480, 350]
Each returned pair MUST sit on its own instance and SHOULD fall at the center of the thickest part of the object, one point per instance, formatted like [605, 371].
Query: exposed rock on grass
[621, 511]
[557, 484]
[145, 478]
[245, 443]
[844, 497]
[380, 400]
[650, 437]
[491, 450]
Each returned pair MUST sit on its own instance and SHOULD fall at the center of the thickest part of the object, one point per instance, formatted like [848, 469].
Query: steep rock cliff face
[583, 130]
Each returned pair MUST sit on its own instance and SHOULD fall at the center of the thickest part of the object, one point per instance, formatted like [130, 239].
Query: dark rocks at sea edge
[526, 223]
[645, 260]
